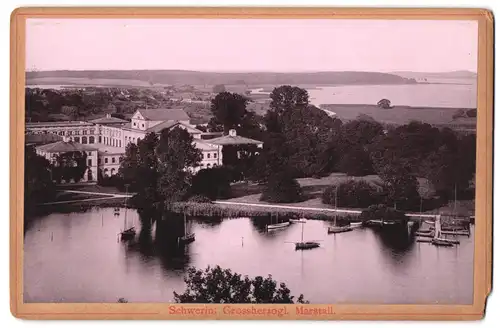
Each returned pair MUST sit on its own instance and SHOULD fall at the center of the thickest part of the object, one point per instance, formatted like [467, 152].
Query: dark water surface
[77, 257]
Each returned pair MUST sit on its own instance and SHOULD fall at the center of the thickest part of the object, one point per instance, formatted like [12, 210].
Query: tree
[384, 103]
[216, 285]
[213, 183]
[229, 109]
[70, 166]
[282, 188]
[70, 111]
[401, 186]
[176, 153]
[218, 88]
[356, 162]
[38, 184]
[356, 194]
[287, 97]
[139, 169]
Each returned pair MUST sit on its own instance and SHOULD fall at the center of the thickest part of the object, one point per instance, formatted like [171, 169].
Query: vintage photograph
[315, 161]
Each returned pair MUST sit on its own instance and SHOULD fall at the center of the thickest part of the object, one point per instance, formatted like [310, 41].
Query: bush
[282, 188]
[216, 285]
[382, 212]
[212, 183]
[199, 199]
[357, 194]
[356, 162]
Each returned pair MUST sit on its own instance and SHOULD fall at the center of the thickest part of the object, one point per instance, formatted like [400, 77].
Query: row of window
[208, 165]
[137, 125]
[84, 140]
[207, 155]
[112, 132]
[114, 160]
[70, 132]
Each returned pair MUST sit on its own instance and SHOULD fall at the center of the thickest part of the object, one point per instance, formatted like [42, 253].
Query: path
[339, 210]
[108, 196]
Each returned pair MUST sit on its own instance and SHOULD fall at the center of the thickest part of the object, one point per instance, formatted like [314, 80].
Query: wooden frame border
[484, 173]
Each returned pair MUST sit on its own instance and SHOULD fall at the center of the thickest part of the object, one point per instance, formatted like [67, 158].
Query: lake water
[457, 95]
[77, 257]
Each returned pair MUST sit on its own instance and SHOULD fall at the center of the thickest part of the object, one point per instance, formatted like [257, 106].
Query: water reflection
[78, 257]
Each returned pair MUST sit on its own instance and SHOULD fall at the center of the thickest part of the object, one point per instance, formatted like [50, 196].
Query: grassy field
[397, 114]
[313, 189]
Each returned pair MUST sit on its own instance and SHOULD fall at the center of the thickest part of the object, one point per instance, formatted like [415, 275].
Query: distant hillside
[174, 77]
[439, 75]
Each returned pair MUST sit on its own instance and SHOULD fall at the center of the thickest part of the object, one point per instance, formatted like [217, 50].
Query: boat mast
[335, 217]
[302, 237]
[126, 196]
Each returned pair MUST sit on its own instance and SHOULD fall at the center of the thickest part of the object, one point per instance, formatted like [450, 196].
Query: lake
[77, 257]
[455, 94]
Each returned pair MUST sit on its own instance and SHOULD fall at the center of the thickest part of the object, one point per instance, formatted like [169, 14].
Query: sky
[243, 45]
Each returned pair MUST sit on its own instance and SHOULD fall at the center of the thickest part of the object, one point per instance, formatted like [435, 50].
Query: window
[142, 124]
[89, 162]
[100, 139]
[208, 155]
[99, 161]
[135, 124]
[215, 155]
[84, 131]
[105, 160]
[208, 166]
[112, 159]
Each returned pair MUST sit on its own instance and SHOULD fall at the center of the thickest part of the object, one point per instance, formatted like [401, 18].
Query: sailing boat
[128, 233]
[464, 231]
[188, 237]
[335, 228]
[424, 232]
[305, 244]
[277, 225]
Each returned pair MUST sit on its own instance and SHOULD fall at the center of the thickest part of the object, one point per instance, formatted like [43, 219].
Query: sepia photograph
[288, 161]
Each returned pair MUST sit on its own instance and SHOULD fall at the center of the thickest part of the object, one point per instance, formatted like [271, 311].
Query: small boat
[424, 234]
[336, 229]
[302, 220]
[355, 225]
[440, 242]
[423, 240]
[453, 241]
[456, 232]
[128, 234]
[188, 238]
[374, 223]
[306, 245]
[278, 225]
[430, 222]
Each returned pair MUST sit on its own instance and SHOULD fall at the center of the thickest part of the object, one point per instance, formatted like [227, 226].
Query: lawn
[313, 189]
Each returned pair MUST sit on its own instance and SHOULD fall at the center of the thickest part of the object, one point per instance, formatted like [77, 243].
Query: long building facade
[105, 139]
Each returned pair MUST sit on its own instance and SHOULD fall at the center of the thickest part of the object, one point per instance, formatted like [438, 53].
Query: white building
[105, 138]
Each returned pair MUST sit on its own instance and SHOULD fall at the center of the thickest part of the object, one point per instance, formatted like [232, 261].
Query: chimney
[232, 133]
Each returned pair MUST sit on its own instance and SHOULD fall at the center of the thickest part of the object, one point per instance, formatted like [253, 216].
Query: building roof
[109, 150]
[164, 114]
[41, 139]
[204, 146]
[170, 124]
[65, 146]
[233, 139]
[56, 124]
[108, 120]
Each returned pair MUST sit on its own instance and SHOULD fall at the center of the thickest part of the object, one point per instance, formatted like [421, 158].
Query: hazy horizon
[252, 45]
